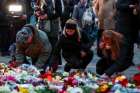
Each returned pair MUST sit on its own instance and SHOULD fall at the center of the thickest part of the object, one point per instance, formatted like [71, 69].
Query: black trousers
[125, 59]
[102, 65]
[99, 34]
[77, 62]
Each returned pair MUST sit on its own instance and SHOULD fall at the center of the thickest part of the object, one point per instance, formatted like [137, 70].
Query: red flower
[12, 64]
[121, 79]
[138, 67]
[47, 75]
[136, 79]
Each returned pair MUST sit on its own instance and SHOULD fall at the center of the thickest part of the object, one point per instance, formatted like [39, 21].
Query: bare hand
[83, 54]
[42, 17]
[101, 45]
[135, 12]
[37, 13]
[132, 6]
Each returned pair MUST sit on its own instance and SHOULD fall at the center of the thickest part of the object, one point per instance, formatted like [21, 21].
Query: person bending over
[34, 44]
[109, 45]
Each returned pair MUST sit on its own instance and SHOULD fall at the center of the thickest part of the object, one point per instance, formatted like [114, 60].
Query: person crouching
[75, 47]
[109, 47]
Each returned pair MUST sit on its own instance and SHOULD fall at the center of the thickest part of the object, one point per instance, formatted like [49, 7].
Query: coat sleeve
[42, 59]
[75, 12]
[55, 58]
[49, 10]
[45, 54]
[85, 42]
[20, 56]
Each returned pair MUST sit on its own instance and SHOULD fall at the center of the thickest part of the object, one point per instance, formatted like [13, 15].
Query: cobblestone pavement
[91, 67]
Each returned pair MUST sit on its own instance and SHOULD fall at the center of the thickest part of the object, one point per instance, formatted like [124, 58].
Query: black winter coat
[126, 21]
[49, 9]
[71, 46]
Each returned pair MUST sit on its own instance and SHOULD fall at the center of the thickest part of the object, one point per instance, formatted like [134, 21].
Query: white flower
[75, 90]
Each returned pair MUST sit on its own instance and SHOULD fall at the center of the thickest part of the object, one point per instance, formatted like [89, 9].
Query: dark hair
[70, 26]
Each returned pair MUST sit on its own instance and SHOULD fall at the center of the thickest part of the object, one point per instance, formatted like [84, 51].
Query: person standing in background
[68, 10]
[79, 10]
[49, 18]
[51, 10]
[4, 29]
[105, 10]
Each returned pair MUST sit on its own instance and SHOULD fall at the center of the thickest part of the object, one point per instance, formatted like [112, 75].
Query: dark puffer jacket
[71, 46]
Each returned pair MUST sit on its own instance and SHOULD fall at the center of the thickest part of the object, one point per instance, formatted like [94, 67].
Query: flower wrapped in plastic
[32, 70]
[5, 89]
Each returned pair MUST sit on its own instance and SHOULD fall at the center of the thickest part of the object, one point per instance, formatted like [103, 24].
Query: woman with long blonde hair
[75, 48]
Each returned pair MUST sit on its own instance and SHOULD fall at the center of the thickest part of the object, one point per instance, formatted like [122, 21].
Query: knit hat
[24, 35]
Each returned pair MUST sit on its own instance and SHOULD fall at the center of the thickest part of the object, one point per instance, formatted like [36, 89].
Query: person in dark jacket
[75, 48]
[79, 10]
[109, 46]
[127, 25]
[34, 44]
[51, 11]
[49, 19]
[137, 13]
[4, 29]
[68, 10]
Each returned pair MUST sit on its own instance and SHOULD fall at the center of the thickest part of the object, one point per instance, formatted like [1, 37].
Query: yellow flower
[23, 90]
[104, 88]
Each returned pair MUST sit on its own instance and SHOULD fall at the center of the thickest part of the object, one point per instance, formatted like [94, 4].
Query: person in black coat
[68, 10]
[75, 48]
[127, 25]
[49, 19]
[137, 13]
[50, 11]
[4, 29]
